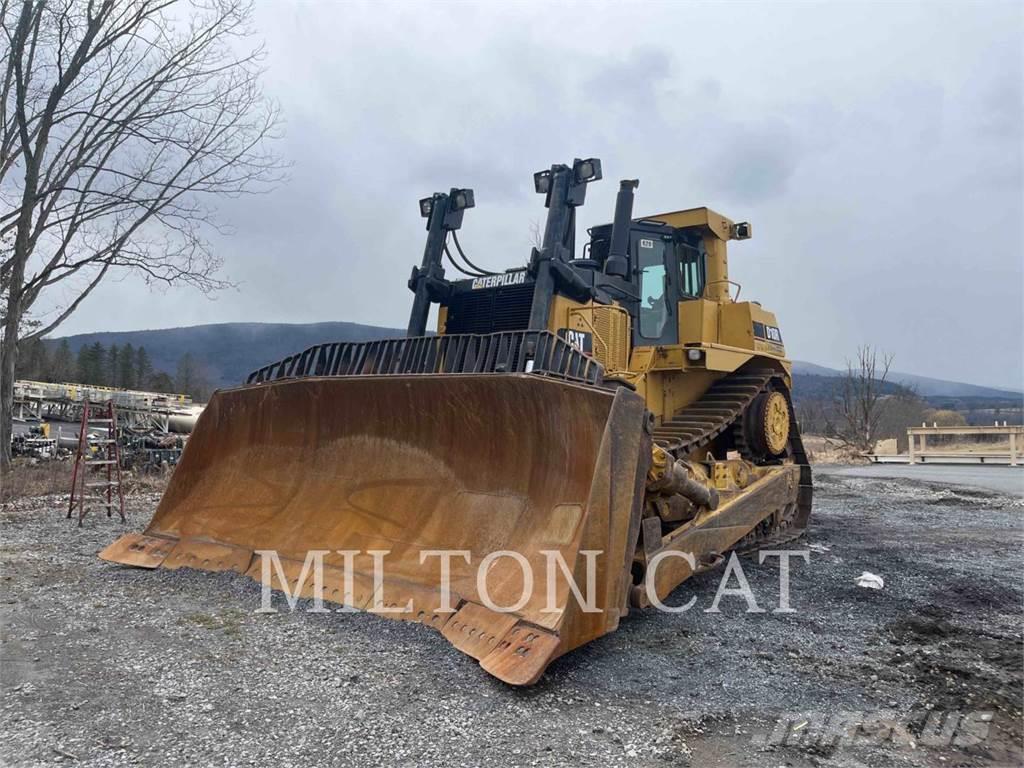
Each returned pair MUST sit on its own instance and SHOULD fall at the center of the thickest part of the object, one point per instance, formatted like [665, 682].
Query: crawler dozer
[580, 435]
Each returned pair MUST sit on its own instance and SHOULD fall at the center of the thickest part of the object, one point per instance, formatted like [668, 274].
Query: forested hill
[227, 352]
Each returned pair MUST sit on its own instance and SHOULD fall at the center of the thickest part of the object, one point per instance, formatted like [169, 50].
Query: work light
[586, 170]
[542, 182]
[462, 199]
[740, 231]
[426, 206]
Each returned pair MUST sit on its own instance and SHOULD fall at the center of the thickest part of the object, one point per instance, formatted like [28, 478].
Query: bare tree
[192, 378]
[121, 122]
[536, 234]
[861, 398]
[813, 416]
[903, 409]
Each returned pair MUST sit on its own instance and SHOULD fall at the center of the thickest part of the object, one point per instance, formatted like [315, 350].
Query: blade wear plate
[477, 630]
[208, 556]
[138, 550]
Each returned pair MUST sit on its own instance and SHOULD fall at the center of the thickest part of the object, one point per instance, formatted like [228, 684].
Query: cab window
[691, 270]
[654, 308]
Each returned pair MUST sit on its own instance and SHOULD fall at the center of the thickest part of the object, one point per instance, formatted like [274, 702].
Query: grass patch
[45, 477]
[35, 478]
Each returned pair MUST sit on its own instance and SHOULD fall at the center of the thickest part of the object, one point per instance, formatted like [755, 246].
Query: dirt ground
[106, 665]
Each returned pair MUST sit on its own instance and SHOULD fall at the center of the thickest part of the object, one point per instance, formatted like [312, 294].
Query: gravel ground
[106, 665]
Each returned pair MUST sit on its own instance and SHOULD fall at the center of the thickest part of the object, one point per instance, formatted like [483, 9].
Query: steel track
[720, 409]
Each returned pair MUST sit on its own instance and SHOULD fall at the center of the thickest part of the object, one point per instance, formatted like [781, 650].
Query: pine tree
[62, 367]
[84, 365]
[99, 365]
[161, 382]
[126, 370]
[143, 369]
[191, 379]
[92, 365]
[185, 379]
[33, 361]
[114, 366]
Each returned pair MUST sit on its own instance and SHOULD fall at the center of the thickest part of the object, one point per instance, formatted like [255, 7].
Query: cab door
[656, 279]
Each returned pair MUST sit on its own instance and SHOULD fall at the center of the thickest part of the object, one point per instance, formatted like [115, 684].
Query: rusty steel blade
[413, 464]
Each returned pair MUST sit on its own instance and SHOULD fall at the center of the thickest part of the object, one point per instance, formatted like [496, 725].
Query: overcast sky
[875, 148]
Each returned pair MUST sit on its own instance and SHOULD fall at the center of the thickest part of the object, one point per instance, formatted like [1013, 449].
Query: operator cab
[665, 265]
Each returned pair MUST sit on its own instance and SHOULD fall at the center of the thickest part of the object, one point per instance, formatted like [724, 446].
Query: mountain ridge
[229, 351]
[926, 386]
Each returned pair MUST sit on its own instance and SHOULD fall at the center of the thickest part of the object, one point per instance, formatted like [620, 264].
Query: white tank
[184, 422]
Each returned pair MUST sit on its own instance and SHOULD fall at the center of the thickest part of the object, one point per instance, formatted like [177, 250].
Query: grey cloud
[1001, 111]
[632, 80]
[756, 164]
[497, 172]
[876, 151]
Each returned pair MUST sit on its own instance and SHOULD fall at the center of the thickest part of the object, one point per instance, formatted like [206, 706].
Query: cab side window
[691, 270]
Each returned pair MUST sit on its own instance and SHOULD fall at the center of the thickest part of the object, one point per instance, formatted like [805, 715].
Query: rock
[869, 580]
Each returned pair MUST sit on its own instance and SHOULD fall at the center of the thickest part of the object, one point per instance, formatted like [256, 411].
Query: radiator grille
[490, 310]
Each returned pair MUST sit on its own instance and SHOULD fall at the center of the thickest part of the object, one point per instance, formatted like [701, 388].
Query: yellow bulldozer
[578, 437]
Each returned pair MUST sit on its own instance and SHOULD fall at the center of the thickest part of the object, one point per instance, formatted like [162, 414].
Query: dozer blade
[540, 470]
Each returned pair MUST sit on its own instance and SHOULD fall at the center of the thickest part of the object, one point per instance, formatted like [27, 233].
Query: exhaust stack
[618, 252]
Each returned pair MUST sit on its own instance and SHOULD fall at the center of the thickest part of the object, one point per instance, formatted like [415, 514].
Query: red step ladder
[97, 475]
